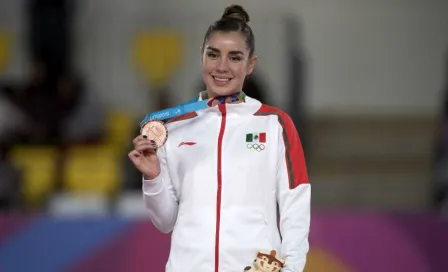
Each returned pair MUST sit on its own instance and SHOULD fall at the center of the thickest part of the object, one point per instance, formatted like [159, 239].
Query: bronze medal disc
[156, 132]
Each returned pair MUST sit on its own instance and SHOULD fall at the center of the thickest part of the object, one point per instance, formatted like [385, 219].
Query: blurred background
[366, 83]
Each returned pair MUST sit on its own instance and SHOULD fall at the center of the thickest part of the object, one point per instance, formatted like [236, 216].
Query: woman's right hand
[144, 157]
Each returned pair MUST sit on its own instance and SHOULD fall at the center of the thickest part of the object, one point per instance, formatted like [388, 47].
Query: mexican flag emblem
[259, 137]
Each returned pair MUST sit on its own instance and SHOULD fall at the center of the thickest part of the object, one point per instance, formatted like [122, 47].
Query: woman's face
[226, 63]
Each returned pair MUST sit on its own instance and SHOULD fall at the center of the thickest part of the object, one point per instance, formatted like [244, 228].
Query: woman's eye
[235, 59]
[212, 55]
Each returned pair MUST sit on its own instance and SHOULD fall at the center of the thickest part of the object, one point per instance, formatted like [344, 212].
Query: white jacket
[221, 198]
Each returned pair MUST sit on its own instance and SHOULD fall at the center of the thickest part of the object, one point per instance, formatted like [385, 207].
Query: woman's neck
[213, 95]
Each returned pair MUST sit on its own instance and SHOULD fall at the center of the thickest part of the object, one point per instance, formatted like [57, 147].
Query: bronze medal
[155, 131]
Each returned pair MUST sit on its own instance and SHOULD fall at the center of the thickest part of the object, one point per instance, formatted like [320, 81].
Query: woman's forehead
[226, 41]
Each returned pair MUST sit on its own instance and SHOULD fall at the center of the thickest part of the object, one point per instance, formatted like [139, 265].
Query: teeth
[222, 79]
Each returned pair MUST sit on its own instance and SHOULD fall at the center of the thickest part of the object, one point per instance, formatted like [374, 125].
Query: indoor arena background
[365, 81]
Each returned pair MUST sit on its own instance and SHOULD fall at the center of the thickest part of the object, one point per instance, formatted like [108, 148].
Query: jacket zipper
[222, 109]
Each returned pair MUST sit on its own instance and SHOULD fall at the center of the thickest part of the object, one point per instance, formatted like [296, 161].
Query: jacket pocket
[265, 234]
[249, 231]
[267, 231]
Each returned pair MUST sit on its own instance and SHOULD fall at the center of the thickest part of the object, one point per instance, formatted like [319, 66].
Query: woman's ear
[252, 63]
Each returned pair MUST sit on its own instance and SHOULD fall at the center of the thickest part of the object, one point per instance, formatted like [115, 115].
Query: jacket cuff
[153, 186]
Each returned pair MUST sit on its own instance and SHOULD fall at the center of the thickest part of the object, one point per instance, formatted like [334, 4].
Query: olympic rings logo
[256, 147]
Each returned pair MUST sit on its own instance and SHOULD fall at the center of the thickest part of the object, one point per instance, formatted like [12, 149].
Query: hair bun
[236, 12]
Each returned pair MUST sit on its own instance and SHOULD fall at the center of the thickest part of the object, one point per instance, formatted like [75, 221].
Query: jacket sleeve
[160, 197]
[293, 196]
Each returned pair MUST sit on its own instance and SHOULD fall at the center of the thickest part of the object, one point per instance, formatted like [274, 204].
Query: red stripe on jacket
[294, 156]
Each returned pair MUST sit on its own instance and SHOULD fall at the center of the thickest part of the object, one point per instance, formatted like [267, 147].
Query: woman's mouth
[221, 81]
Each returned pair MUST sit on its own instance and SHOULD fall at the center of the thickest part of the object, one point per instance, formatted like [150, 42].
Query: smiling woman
[228, 53]
[219, 191]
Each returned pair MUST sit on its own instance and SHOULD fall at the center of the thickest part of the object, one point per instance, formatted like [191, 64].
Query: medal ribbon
[191, 106]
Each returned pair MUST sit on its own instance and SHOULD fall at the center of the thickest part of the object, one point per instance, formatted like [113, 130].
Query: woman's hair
[234, 18]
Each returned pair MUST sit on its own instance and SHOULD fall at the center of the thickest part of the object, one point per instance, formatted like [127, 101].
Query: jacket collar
[241, 106]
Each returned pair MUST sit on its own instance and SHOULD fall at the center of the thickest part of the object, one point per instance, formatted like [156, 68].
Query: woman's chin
[221, 91]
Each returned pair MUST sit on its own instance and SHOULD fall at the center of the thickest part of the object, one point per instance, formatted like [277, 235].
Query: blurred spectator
[83, 117]
[38, 100]
[10, 182]
[12, 119]
[50, 110]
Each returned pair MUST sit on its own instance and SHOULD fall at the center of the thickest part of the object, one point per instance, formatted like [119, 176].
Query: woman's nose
[223, 65]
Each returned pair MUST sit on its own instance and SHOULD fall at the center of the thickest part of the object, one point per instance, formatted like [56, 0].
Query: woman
[218, 180]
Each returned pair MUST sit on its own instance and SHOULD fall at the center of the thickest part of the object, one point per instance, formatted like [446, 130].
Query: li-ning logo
[256, 141]
[186, 143]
